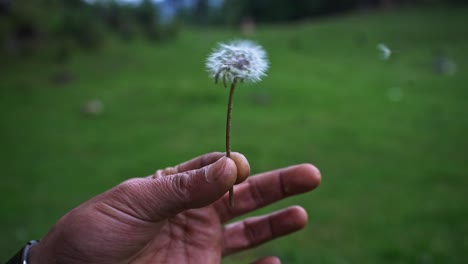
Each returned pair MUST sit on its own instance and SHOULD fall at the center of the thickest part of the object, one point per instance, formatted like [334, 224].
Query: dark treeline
[265, 11]
[27, 26]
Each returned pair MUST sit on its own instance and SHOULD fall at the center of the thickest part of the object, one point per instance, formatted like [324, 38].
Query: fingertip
[314, 177]
[243, 166]
[231, 170]
[299, 215]
[274, 260]
[268, 260]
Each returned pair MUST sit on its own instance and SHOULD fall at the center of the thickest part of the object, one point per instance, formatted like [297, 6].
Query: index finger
[243, 168]
[199, 162]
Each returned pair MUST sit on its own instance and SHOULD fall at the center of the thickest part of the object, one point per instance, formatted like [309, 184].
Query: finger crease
[255, 192]
[250, 234]
[284, 189]
[270, 227]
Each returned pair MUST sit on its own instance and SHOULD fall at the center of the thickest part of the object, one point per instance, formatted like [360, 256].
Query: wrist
[33, 256]
[22, 257]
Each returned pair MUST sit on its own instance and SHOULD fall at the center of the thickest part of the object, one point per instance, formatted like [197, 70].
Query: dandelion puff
[237, 61]
[240, 60]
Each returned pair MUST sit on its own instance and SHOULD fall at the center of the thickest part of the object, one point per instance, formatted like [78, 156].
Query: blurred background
[373, 92]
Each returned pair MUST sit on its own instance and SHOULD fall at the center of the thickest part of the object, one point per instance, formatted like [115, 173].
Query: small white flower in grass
[385, 52]
[240, 60]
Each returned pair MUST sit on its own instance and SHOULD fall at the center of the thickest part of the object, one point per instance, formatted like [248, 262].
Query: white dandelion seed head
[240, 60]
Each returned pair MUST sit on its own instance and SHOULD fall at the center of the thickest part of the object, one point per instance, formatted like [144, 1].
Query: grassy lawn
[390, 137]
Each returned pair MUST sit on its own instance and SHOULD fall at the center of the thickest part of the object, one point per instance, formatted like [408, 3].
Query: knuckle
[129, 185]
[255, 193]
[180, 186]
[250, 234]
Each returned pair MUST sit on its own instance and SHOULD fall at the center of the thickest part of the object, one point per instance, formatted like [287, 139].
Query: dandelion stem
[228, 135]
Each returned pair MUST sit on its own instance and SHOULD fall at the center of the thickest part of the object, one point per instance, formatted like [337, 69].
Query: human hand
[179, 215]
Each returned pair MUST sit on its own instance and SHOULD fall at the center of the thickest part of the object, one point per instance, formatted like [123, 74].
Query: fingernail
[215, 170]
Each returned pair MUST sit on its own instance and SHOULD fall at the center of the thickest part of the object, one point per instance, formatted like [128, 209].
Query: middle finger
[266, 188]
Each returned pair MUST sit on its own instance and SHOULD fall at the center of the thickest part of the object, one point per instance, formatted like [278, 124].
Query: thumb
[195, 188]
[163, 197]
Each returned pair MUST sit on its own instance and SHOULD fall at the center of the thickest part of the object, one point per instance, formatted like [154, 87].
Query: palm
[194, 236]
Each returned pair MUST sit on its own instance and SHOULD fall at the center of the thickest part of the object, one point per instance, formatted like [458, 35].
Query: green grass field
[390, 137]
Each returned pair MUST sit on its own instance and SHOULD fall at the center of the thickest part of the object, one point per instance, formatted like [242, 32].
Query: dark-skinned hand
[179, 215]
